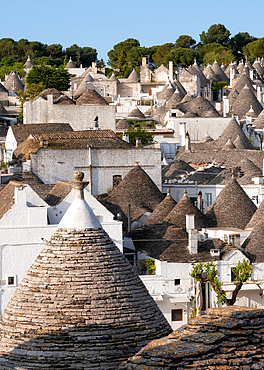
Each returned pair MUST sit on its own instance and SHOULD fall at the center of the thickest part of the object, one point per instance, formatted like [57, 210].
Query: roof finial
[184, 191]
[168, 191]
[136, 163]
[78, 185]
[233, 173]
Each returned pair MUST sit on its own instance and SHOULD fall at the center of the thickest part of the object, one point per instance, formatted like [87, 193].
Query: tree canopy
[49, 77]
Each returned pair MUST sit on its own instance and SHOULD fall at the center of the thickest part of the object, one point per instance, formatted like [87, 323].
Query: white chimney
[125, 137]
[193, 241]
[182, 133]
[189, 222]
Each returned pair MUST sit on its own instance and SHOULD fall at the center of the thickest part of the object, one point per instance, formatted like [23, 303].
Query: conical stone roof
[257, 216]
[206, 139]
[84, 85]
[122, 124]
[91, 97]
[71, 64]
[28, 63]
[3, 89]
[259, 121]
[232, 131]
[254, 243]
[245, 100]
[166, 92]
[242, 81]
[200, 106]
[136, 113]
[228, 145]
[231, 208]
[239, 144]
[249, 168]
[209, 74]
[13, 83]
[162, 210]
[220, 75]
[177, 84]
[184, 207]
[114, 78]
[3, 111]
[175, 168]
[175, 99]
[133, 77]
[240, 67]
[138, 189]
[80, 305]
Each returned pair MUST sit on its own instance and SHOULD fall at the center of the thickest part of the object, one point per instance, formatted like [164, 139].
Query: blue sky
[101, 24]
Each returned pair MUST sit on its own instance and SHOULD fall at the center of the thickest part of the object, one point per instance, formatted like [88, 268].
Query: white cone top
[79, 215]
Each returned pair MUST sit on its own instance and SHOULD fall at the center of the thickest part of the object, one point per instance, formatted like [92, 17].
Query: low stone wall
[225, 338]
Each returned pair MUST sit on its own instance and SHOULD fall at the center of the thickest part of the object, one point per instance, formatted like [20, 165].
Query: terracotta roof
[231, 208]
[98, 139]
[13, 83]
[97, 310]
[22, 132]
[161, 211]
[138, 189]
[245, 100]
[58, 192]
[232, 131]
[133, 77]
[122, 124]
[136, 113]
[91, 97]
[177, 217]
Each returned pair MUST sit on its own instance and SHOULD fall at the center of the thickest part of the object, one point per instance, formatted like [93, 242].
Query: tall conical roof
[138, 189]
[200, 106]
[229, 145]
[166, 92]
[197, 70]
[84, 85]
[229, 67]
[174, 168]
[249, 168]
[240, 67]
[232, 131]
[122, 124]
[80, 305]
[242, 81]
[91, 97]
[232, 96]
[3, 89]
[13, 83]
[207, 138]
[220, 75]
[133, 77]
[175, 99]
[114, 78]
[28, 63]
[257, 216]
[254, 243]
[136, 113]
[209, 74]
[177, 84]
[161, 211]
[71, 64]
[259, 121]
[258, 66]
[245, 100]
[231, 208]
[184, 207]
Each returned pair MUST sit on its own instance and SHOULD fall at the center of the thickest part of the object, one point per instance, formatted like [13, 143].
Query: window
[176, 315]
[177, 281]
[11, 280]
[233, 276]
[116, 180]
[208, 197]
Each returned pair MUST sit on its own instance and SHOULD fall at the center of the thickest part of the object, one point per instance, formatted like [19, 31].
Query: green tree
[135, 133]
[216, 33]
[185, 41]
[57, 78]
[118, 55]
[254, 49]
[159, 57]
[220, 54]
[207, 272]
[181, 57]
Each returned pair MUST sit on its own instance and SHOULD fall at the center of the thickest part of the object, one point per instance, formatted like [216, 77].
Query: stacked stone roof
[229, 145]
[175, 99]
[242, 81]
[13, 83]
[161, 211]
[257, 216]
[167, 92]
[91, 97]
[136, 113]
[177, 217]
[209, 74]
[176, 84]
[175, 168]
[3, 89]
[224, 210]
[224, 338]
[232, 131]
[28, 63]
[58, 192]
[80, 304]
[85, 84]
[133, 77]
[259, 121]
[254, 244]
[122, 124]
[220, 75]
[3, 111]
[71, 64]
[138, 189]
[114, 78]
[199, 106]
[245, 100]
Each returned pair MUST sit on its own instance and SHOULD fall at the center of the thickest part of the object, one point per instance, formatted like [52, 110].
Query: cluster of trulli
[80, 305]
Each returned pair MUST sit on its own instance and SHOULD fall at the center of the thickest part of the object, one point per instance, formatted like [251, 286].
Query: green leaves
[57, 78]
[135, 133]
